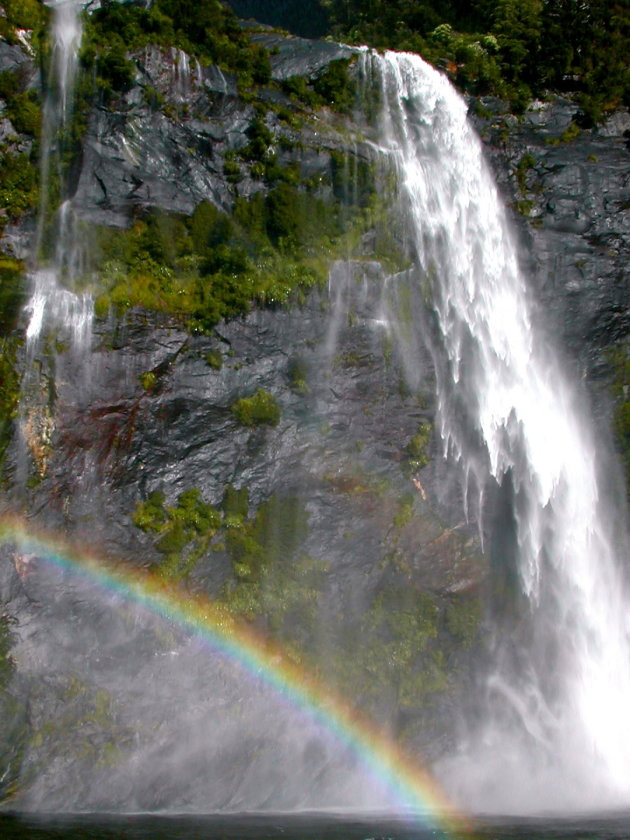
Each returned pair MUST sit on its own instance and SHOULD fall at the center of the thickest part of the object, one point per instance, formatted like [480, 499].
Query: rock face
[353, 466]
[570, 189]
[337, 465]
[163, 144]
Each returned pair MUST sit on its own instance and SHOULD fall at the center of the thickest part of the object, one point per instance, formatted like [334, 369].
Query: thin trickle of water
[555, 722]
[181, 74]
[53, 301]
[66, 41]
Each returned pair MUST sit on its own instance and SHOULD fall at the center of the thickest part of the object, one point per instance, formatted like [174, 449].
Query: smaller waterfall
[552, 731]
[181, 75]
[53, 301]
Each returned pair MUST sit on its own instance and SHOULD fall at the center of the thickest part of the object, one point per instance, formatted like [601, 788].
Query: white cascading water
[52, 300]
[554, 731]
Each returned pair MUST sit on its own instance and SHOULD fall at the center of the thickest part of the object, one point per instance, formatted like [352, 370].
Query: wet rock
[139, 154]
[292, 56]
[14, 57]
[572, 188]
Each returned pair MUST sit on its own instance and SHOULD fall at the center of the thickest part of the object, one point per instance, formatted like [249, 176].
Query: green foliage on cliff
[19, 184]
[11, 299]
[13, 716]
[396, 654]
[19, 178]
[207, 267]
[272, 579]
[6, 643]
[9, 390]
[261, 409]
[332, 87]
[22, 14]
[619, 361]
[212, 265]
[22, 104]
[512, 48]
[207, 30]
[183, 531]
[417, 449]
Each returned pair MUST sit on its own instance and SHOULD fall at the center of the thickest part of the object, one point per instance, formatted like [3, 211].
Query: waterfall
[551, 724]
[57, 267]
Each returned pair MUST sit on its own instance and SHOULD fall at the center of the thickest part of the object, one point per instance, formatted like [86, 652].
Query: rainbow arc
[411, 786]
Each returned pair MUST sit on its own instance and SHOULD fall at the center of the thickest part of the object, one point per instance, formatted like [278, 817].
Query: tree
[517, 25]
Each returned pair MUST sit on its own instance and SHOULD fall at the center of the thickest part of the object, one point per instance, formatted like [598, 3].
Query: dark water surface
[299, 827]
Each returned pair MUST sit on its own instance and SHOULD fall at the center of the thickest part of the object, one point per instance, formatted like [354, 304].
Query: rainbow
[411, 786]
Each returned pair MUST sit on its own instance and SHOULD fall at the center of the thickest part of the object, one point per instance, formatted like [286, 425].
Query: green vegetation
[22, 14]
[524, 207]
[214, 359]
[22, 105]
[405, 511]
[11, 298]
[209, 31]
[7, 667]
[417, 450]
[77, 721]
[261, 549]
[13, 715]
[619, 361]
[19, 178]
[148, 380]
[396, 654]
[9, 391]
[525, 164]
[273, 247]
[260, 409]
[511, 48]
[271, 578]
[11, 292]
[297, 375]
[183, 531]
[19, 185]
[333, 87]
[395, 657]
[463, 618]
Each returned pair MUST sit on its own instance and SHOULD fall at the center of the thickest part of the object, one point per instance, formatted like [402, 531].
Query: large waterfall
[552, 731]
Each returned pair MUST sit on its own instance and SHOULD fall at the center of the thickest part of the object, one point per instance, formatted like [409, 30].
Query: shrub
[19, 182]
[260, 409]
[417, 448]
[25, 113]
[335, 87]
[212, 266]
[9, 390]
[12, 293]
[22, 106]
[235, 505]
[24, 14]
[115, 71]
[297, 374]
[148, 380]
[214, 359]
[209, 30]
[184, 530]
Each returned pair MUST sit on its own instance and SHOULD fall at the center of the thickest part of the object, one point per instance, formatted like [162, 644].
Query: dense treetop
[512, 48]
[516, 48]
